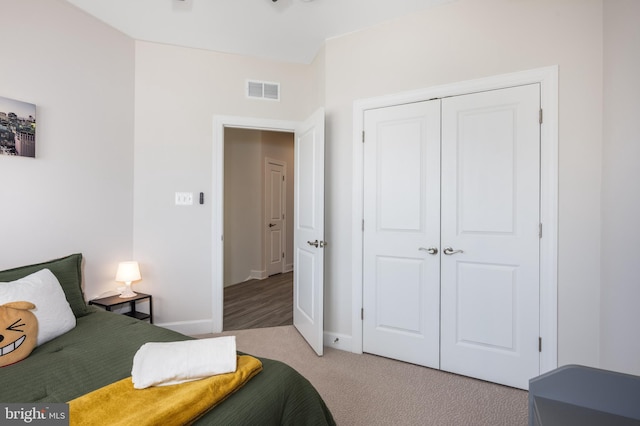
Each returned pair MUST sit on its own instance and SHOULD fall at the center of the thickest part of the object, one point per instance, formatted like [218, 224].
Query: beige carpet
[370, 390]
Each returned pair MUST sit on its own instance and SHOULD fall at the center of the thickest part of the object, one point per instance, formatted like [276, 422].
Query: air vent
[263, 90]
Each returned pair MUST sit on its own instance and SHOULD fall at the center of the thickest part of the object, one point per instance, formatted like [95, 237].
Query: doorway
[258, 244]
[308, 220]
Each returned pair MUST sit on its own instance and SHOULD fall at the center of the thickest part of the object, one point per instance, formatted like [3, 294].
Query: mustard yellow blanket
[120, 404]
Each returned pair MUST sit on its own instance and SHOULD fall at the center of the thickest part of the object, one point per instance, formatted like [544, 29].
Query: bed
[99, 351]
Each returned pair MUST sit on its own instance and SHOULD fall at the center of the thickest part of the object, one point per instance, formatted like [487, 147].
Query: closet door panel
[401, 221]
[490, 222]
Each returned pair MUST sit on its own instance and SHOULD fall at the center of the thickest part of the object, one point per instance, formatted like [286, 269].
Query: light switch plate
[184, 198]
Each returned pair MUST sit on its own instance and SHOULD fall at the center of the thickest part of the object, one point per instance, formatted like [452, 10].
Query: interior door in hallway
[491, 235]
[402, 233]
[274, 178]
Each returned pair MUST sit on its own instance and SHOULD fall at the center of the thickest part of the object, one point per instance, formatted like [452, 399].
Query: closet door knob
[430, 250]
[449, 251]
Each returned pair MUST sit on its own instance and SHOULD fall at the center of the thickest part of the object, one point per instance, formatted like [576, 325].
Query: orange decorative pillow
[18, 331]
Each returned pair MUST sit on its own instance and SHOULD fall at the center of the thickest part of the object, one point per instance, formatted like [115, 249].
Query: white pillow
[42, 288]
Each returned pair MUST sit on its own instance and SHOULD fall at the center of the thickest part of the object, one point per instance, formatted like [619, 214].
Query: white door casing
[490, 203]
[401, 294]
[491, 214]
[308, 235]
[547, 77]
[274, 228]
[217, 264]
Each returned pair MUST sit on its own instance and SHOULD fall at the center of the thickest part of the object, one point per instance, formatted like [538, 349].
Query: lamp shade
[128, 272]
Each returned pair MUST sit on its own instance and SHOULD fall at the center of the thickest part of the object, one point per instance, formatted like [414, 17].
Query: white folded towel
[170, 363]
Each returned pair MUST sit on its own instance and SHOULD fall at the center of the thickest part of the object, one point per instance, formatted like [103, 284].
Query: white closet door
[401, 223]
[490, 220]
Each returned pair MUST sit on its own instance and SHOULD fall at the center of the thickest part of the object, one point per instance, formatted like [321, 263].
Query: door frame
[548, 79]
[220, 122]
[283, 206]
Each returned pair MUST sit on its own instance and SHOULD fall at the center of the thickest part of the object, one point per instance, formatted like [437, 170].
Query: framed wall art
[17, 128]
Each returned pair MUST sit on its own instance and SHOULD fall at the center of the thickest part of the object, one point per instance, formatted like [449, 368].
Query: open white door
[308, 238]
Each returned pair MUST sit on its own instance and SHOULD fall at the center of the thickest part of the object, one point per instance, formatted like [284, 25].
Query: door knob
[315, 243]
[430, 250]
[449, 251]
[271, 225]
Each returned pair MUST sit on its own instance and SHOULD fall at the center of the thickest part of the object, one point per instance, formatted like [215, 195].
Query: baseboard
[288, 267]
[337, 341]
[189, 327]
[258, 275]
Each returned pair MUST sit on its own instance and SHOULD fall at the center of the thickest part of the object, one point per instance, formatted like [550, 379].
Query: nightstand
[112, 301]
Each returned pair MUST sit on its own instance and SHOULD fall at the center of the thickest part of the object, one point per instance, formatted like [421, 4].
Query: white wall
[178, 92]
[466, 40]
[620, 288]
[77, 194]
[242, 205]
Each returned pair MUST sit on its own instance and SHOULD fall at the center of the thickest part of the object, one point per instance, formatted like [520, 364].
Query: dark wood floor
[259, 303]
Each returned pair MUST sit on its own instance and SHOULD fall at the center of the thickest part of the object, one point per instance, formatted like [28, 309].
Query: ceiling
[286, 30]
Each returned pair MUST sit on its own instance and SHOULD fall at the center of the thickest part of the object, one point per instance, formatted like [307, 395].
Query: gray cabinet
[585, 396]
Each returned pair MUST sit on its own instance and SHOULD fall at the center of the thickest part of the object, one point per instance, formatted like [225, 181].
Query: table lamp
[128, 272]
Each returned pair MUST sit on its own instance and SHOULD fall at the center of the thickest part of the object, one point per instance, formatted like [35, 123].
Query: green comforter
[100, 350]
